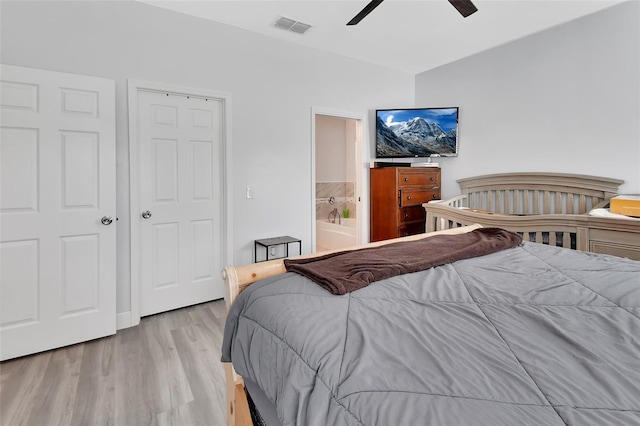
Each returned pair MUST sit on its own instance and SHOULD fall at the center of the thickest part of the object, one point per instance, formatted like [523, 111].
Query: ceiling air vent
[292, 25]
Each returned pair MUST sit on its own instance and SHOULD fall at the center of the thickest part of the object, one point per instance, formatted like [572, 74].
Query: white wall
[335, 149]
[273, 85]
[553, 101]
[351, 137]
[331, 163]
[563, 100]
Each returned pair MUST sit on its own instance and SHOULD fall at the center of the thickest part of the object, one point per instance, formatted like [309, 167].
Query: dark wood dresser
[397, 195]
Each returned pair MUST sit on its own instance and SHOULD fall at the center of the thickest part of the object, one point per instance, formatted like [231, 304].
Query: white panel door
[180, 191]
[57, 210]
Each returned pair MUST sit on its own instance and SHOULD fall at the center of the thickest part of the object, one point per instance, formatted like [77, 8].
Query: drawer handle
[406, 179]
[406, 216]
[408, 197]
[433, 196]
[431, 178]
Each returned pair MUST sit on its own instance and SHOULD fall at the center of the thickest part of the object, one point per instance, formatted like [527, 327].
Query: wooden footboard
[239, 278]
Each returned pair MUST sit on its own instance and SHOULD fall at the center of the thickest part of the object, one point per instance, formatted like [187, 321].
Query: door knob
[146, 214]
[106, 220]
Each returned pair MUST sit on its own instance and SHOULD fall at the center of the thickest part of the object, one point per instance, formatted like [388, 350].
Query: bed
[529, 334]
[547, 208]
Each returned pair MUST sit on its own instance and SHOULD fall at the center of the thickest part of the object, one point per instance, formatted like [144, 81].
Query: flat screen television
[416, 132]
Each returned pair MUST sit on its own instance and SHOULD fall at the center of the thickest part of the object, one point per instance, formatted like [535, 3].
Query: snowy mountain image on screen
[414, 137]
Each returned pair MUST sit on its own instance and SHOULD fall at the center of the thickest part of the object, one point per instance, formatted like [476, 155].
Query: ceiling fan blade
[465, 7]
[364, 12]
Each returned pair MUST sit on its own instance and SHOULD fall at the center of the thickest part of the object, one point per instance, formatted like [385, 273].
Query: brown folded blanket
[348, 271]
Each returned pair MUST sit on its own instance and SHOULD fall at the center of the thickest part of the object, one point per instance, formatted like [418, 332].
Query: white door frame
[133, 87]
[361, 131]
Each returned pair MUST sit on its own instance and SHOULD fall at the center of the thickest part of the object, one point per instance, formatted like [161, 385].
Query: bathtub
[330, 236]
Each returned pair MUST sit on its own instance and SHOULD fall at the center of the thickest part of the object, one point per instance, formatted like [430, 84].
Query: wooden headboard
[532, 193]
[546, 208]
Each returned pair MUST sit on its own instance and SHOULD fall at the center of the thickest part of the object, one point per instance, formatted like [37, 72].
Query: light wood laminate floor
[166, 371]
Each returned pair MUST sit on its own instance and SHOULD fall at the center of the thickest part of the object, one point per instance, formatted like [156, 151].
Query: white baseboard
[123, 320]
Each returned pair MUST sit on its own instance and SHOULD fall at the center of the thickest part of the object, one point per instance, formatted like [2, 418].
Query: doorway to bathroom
[337, 147]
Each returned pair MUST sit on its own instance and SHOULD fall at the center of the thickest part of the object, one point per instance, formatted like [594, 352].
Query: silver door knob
[106, 220]
[146, 214]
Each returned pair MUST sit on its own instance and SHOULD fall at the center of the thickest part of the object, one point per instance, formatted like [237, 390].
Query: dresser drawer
[417, 197]
[397, 195]
[411, 229]
[419, 177]
[411, 214]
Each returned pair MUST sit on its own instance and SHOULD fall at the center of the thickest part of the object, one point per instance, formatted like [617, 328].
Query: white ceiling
[410, 36]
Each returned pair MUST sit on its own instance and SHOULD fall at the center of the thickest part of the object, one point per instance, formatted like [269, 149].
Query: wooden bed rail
[570, 231]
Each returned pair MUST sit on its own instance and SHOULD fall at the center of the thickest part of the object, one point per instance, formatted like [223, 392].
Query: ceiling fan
[465, 7]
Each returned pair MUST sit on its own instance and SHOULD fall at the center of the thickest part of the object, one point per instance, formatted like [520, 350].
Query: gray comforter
[532, 335]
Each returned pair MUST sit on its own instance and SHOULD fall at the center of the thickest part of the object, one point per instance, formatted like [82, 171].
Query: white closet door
[180, 191]
[57, 210]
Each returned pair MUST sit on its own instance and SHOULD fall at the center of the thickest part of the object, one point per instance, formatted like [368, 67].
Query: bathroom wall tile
[343, 193]
[330, 189]
[350, 189]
